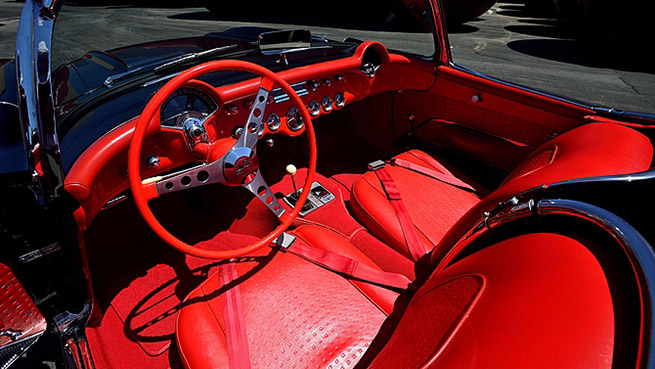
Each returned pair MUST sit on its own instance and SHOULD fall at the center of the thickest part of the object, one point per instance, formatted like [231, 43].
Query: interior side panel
[485, 120]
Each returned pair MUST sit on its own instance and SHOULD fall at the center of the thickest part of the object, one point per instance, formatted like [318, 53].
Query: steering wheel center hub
[240, 166]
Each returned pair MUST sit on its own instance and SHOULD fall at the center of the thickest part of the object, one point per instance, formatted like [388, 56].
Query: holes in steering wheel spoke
[261, 191]
[202, 176]
[185, 181]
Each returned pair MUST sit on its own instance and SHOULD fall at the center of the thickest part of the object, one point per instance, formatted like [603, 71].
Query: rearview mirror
[278, 42]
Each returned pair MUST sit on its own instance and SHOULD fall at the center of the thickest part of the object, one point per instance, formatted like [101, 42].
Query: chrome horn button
[240, 166]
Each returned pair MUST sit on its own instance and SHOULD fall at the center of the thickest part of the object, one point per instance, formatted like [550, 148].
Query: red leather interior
[434, 206]
[545, 303]
[296, 312]
[325, 239]
[537, 300]
[591, 150]
[596, 149]
[98, 174]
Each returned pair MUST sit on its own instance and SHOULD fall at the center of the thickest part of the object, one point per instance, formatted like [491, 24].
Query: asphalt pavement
[508, 42]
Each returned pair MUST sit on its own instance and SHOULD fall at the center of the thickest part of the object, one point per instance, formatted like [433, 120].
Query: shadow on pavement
[569, 42]
[462, 29]
[569, 51]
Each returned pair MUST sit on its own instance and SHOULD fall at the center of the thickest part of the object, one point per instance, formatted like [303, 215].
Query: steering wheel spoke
[260, 189]
[254, 126]
[200, 175]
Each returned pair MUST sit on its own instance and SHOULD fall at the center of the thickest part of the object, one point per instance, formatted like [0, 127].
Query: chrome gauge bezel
[273, 122]
[173, 120]
[293, 115]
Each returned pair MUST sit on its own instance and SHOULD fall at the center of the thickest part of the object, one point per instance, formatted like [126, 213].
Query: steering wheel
[233, 164]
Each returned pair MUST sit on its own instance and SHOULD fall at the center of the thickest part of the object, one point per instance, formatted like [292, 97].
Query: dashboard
[99, 175]
[199, 100]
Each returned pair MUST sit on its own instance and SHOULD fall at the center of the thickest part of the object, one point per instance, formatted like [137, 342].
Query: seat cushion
[296, 313]
[434, 206]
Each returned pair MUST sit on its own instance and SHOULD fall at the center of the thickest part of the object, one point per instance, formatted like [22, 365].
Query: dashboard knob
[294, 120]
[327, 104]
[231, 109]
[153, 161]
[273, 122]
[237, 132]
[339, 100]
[313, 84]
[314, 108]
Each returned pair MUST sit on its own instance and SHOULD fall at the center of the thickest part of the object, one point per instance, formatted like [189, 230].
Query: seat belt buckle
[375, 165]
[285, 241]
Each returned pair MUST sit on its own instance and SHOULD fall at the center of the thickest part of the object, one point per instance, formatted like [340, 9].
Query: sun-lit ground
[509, 42]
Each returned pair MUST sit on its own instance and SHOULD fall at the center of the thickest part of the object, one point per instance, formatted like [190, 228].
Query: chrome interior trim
[279, 95]
[160, 79]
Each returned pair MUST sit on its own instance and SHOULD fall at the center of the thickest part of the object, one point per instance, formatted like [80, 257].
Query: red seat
[297, 313]
[538, 300]
[591, 150]
[434, 206]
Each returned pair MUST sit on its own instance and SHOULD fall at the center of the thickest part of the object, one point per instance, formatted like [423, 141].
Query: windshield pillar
[35, 97]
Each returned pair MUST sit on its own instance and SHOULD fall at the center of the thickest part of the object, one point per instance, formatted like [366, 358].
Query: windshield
[108, 61]
[80, 29]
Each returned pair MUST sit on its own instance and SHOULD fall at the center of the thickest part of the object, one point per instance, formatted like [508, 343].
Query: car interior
[409, 157]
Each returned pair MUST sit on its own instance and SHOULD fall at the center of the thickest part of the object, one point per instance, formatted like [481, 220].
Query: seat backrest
[539, 300]
[591, 150]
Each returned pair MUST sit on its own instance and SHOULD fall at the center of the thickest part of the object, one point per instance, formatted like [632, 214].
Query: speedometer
[183, 101]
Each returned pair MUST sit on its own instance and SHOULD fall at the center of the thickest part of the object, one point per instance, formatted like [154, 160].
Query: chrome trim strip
[160, 79]
[279, 96]
[613, 178]
[8, 104]
[26, 343]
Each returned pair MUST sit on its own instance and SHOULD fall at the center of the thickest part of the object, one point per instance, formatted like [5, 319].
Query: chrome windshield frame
[35, 94]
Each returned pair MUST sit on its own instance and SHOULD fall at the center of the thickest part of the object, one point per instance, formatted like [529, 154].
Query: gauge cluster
[185, 102]
[223, 117]
[321, 96]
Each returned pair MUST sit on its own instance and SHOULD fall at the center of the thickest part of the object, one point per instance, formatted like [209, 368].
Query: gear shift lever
[291, 169]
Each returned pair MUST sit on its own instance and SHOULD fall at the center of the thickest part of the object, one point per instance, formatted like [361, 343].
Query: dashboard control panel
[320, 95]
